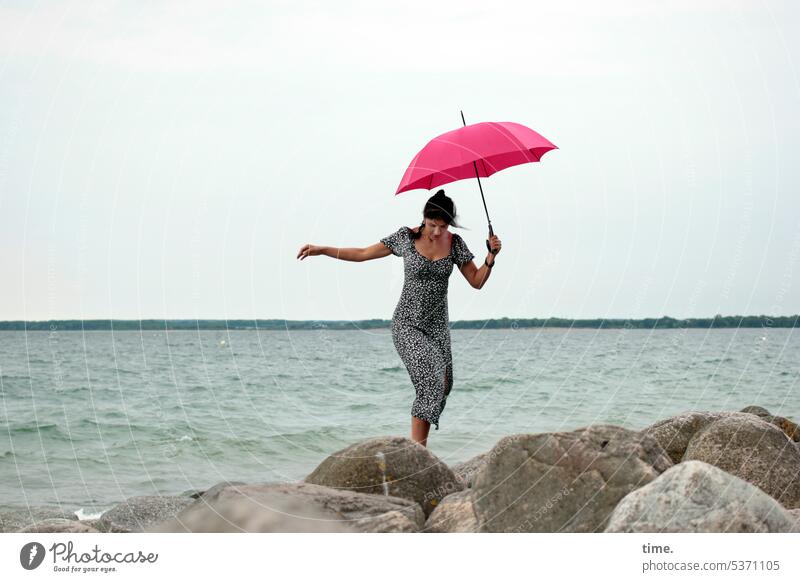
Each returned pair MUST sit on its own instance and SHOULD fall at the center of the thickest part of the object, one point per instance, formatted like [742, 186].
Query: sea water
[88, 419]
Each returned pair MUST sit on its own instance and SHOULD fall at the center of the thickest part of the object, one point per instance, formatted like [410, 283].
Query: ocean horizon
[717, 321]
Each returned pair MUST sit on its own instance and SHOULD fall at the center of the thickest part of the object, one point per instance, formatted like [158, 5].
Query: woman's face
[435, 228]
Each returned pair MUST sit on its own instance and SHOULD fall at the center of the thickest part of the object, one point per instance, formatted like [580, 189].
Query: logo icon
[31, 555]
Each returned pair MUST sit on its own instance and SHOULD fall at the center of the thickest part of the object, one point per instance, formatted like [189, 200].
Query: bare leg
[419, 430]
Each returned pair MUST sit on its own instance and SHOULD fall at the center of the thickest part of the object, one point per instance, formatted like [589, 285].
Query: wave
[101, 459]
[391, 369]
[34, 427]
[82, 513]
[509, 381]
[360, 406]
[109, 425]
[312, 437]
[473, 387]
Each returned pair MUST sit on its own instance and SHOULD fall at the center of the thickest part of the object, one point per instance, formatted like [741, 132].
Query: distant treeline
[718, 321]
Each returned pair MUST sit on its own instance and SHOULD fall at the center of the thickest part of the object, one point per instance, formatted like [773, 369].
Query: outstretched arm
[375, 251]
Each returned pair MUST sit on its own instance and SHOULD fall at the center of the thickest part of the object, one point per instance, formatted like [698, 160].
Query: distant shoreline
[716, 322]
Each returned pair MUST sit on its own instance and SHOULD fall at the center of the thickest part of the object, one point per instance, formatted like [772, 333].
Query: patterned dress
[421, 322]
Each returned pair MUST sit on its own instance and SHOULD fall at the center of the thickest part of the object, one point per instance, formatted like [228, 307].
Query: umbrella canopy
[480, 149]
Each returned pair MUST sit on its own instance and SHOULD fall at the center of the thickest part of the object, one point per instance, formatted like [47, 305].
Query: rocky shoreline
[729, 471]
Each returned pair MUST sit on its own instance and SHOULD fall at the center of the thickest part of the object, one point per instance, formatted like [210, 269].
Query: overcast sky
[168, 160]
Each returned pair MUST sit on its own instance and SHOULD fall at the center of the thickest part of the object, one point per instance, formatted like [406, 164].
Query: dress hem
[426, 420]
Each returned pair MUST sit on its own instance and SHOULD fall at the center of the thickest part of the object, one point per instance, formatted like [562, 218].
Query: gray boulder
[695, 497]
[138, 513]
[789, 428]
[295, 507]
[757, 410]
[674, 433]
[12, 520]
[563, 482]
[795, 513]
[93, 523]
[57, 525]
[394, 521]
[392, 466]
[466, 471]
[754, 450]
[455, 513]
[213, 490]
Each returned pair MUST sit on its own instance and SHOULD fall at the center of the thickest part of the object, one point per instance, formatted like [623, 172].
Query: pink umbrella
[478, 150]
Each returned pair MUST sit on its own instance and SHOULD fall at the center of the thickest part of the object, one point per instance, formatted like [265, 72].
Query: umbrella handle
[488, 246]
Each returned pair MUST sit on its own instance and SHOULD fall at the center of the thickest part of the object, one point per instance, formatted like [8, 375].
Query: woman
[420, 323]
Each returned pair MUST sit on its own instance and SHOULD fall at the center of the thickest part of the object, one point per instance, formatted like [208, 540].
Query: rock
[264, 512]
[295, 507]
[57, 525]
[695, 497]
[788, 427]
[215, 488]
[12, 520]
[795, 513]
[455, 513]
[674, 433]
[394, 466]
[757, 410]
[563, 482]
[392, 522]
[137, 513]
[754, 450]
[467, 470]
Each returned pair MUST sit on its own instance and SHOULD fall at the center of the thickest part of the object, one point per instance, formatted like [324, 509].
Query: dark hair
[441, 207]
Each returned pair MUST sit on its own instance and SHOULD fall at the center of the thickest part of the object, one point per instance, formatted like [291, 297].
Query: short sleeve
[396, 241]
[461, 253]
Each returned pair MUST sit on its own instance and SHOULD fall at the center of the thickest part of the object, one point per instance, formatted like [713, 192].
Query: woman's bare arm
[375, 251]
[475, 277]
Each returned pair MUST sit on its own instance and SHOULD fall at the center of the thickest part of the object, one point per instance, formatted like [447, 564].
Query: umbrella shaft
[475, 165]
